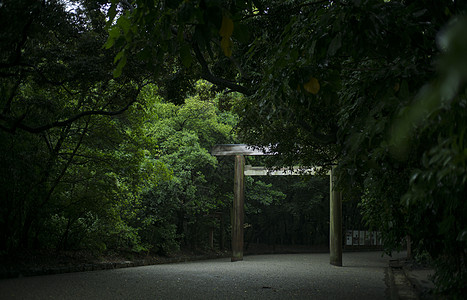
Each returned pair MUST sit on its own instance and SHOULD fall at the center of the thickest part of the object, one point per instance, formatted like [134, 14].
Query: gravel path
[287, 276]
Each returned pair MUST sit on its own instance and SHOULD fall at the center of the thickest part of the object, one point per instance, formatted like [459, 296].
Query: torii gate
[239, 151]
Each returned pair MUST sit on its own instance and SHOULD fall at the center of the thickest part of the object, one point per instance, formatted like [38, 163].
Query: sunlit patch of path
[288, 276]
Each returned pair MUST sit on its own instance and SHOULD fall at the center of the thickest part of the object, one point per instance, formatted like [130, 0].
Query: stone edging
[87, 267]
[400, 286]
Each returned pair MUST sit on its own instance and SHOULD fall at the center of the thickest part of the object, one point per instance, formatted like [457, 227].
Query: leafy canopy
[376, 87]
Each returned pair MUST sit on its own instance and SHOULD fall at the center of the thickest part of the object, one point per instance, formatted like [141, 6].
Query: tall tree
[61, 120]
[181, 211]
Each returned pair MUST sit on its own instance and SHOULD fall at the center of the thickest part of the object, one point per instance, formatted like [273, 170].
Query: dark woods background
[108, 111]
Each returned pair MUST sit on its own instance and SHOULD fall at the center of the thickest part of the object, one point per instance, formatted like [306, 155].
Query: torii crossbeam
[239, 151]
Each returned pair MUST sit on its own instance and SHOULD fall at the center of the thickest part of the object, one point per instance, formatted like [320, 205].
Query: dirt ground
[30, 263]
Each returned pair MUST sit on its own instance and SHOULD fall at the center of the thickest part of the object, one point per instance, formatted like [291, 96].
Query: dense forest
[109, 109]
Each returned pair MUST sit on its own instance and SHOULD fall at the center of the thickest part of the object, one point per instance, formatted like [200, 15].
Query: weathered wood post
[335, 225]
[237, 209]
[211, 237]
[237, 217]
[409, 247]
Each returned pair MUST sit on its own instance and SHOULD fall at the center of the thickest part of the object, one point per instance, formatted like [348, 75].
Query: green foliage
[179, 212]
[261, 193]
[73, 164]
[90, 148]
[340, 78]
[436, 192]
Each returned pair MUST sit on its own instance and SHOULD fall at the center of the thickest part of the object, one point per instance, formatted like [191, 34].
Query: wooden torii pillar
[335, 223]
[239, 151]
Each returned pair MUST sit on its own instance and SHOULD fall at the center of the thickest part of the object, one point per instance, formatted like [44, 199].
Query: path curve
[286, 276]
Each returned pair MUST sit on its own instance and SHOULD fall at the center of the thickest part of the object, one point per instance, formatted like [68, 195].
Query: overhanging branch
[17, 124]
[207, 75]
